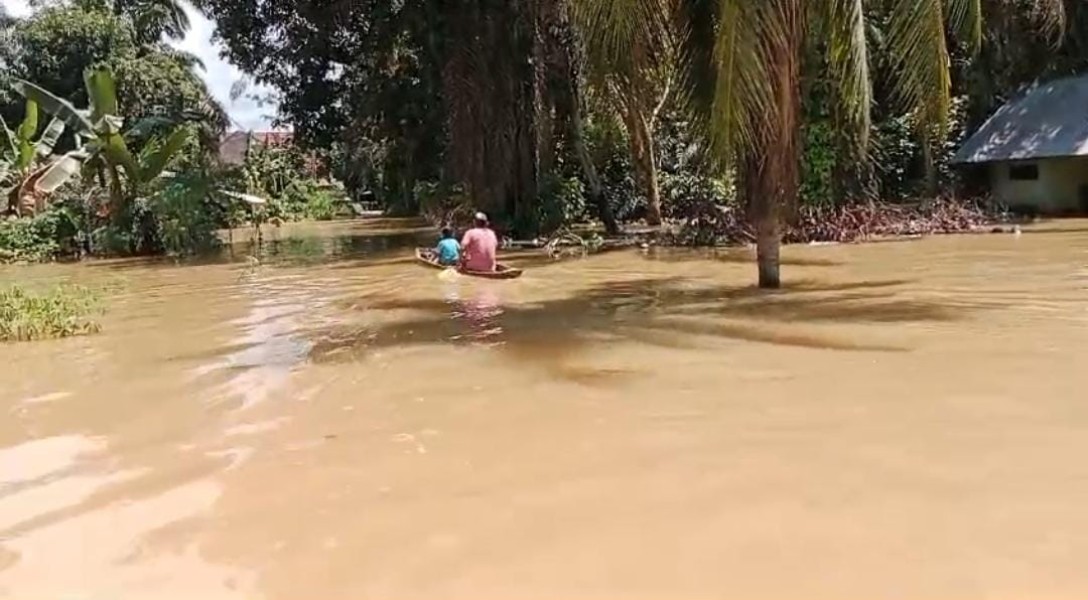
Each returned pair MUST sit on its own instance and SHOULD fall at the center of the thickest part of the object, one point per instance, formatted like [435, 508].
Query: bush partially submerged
[61, 312]
[709, 224]
[45, 237]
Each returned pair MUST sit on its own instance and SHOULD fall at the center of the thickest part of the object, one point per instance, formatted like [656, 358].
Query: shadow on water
[732, 255]
[663, 312]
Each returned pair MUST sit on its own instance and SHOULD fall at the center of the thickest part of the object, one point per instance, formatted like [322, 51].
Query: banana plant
[99, 129]
[31, 173]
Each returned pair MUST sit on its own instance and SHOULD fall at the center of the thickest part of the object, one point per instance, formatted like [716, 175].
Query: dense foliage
[545, 113]
[136, 136]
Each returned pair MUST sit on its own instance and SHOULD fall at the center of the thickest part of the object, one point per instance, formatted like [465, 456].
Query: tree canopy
[56, 45]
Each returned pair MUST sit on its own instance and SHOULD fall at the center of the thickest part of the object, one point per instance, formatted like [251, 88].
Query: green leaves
[921, 62]
[965, 19]
[848, 61]
[155, 163]
[102, 93]
[29, 126]
[24, 149]
[101, 126]
[741, 106]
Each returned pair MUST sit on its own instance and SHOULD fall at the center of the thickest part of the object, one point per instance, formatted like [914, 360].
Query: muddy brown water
[905, 421]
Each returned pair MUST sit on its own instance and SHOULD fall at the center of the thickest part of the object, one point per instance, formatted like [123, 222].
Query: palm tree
[742, 63]
[632, 67]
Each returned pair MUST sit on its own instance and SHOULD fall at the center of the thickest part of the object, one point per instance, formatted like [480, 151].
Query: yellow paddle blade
[449, 274]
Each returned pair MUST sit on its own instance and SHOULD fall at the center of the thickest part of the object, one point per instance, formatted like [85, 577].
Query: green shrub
[62, 312]
[322, 205]
[562, 201]
[305, 199]
[687, 194]
[185, 223]
[37, 239]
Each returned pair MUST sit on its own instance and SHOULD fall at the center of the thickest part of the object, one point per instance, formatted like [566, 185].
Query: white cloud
[219, 74]
[16, 8]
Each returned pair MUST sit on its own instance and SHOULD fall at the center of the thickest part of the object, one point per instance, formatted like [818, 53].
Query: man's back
[479, 247]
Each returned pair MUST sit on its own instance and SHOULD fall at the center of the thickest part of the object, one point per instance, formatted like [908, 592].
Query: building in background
[1035, 149]
[236, 145]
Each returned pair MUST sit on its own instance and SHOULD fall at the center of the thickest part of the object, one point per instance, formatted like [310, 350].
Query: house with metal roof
[1035, 149]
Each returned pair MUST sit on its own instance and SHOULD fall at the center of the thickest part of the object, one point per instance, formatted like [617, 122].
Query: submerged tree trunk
[773, 171]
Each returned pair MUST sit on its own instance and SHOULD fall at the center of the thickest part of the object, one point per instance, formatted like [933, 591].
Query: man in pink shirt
[479, 246]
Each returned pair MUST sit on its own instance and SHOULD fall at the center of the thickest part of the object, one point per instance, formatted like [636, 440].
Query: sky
[219, 74]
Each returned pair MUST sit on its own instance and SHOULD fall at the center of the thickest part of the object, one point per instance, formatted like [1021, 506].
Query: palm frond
[1051, 15]
[742, 107]
[965, 20]
[920, 62]
[612, 29]
[696, 37]
[848, 61]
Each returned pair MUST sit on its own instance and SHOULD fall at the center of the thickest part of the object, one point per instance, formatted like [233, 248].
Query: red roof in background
[235, 145]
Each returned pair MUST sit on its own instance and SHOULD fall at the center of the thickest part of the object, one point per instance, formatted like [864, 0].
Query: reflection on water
[329, 418]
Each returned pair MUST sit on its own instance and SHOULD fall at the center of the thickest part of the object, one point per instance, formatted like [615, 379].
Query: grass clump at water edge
[64, 311]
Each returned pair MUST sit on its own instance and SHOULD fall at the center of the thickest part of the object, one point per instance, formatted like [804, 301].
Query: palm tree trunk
[773, 172]
[642, 153]
[930, 168]
[768, 244]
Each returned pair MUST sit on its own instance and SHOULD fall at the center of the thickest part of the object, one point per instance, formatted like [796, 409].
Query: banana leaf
[156, 161]
[102, 92]
[9, 135]
[59, 172]
[117, 152]
[50, 136]
[29, 126]
[58, 107]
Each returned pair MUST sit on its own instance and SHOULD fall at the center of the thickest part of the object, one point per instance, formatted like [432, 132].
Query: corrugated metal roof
[1048, 121]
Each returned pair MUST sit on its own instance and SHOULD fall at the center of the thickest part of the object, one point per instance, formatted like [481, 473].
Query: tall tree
[153, 19]
[54, 47]
[744, 76]
[482, 93]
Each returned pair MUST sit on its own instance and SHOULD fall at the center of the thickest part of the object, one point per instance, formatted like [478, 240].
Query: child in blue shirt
[448, 250]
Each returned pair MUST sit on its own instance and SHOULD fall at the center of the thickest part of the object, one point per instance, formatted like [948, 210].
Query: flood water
[906, 420]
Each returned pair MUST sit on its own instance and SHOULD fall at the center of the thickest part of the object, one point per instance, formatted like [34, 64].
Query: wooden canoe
[427, 257]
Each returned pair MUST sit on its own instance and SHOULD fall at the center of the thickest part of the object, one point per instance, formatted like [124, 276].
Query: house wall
[1058, 190]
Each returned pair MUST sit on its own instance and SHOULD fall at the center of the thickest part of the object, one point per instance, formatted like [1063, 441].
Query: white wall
[1056, 191]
